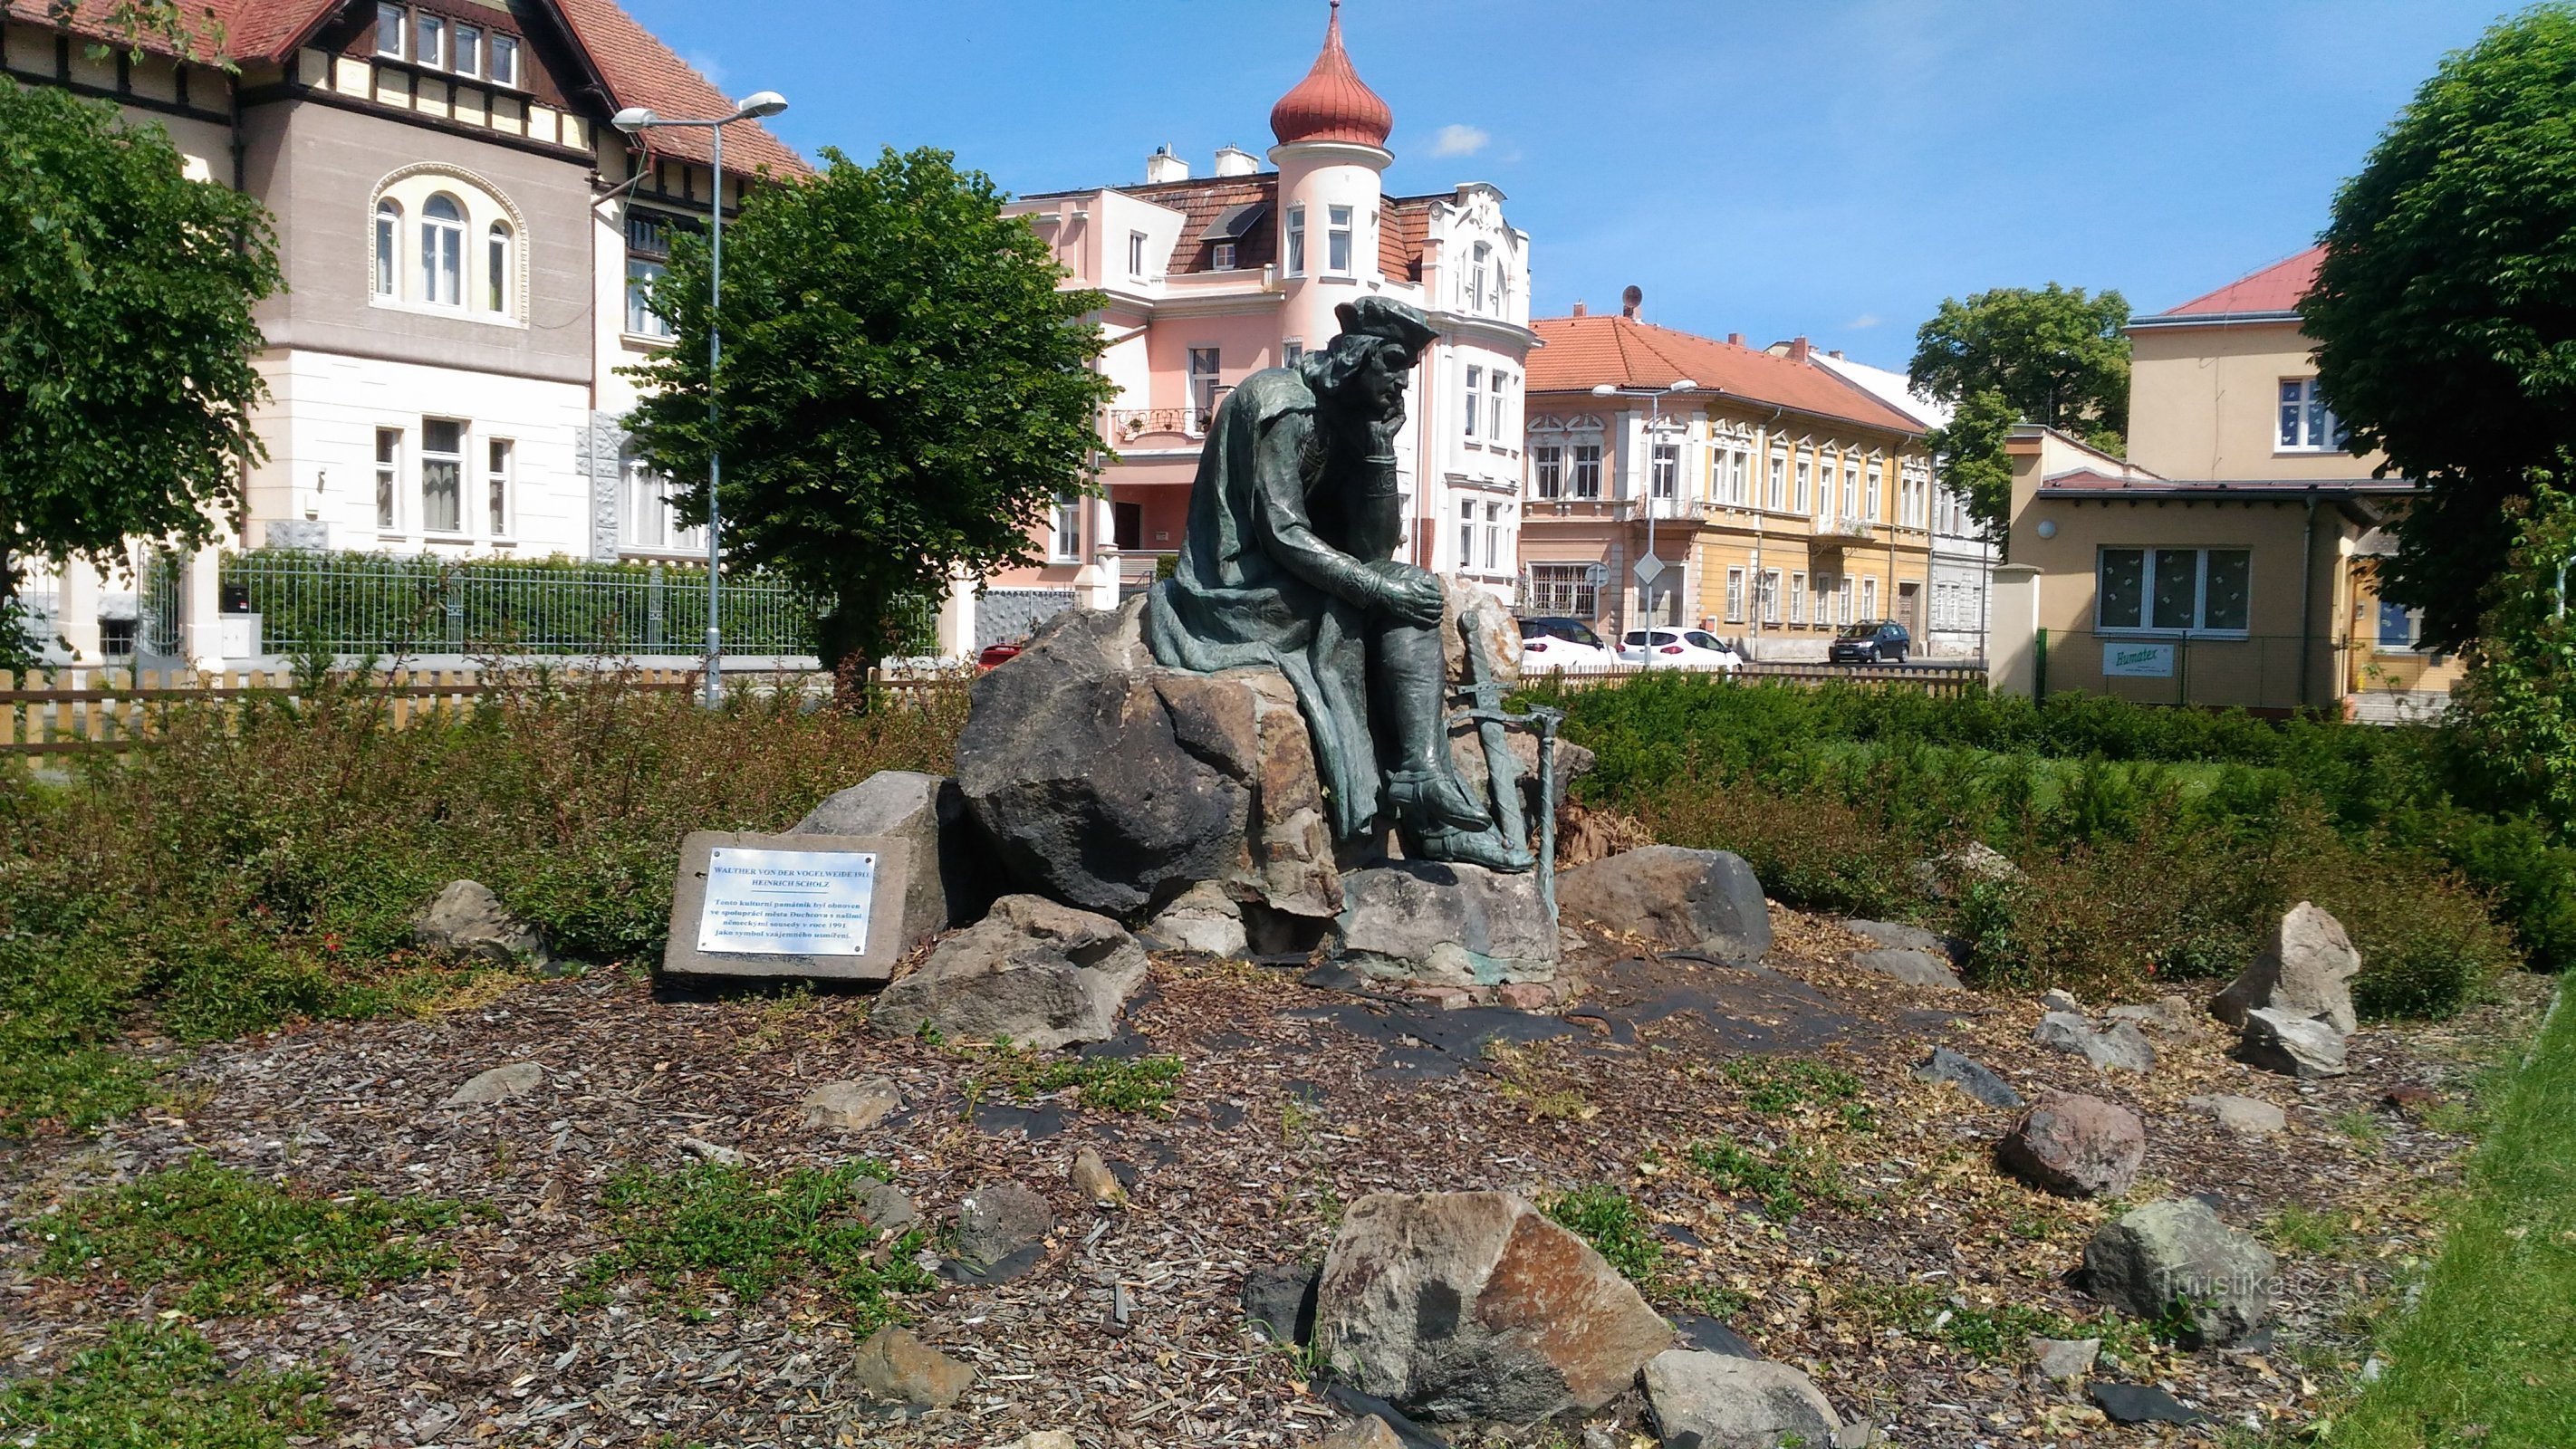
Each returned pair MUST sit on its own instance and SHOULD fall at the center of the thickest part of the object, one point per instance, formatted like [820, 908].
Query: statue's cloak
[1268, 575]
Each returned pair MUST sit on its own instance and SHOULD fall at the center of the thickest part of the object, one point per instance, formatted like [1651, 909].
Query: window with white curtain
[500, 460]
[498, 272]
[388, 240]
[442, 252]
[442, 476]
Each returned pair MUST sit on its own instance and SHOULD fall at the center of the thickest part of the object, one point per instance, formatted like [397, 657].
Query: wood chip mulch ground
[1295, 1102]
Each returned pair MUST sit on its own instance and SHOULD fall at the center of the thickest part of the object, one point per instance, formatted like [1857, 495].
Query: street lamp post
[1654, 421]
[633, 120]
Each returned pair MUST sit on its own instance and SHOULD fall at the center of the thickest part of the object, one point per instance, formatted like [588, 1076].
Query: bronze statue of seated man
[1289, 562]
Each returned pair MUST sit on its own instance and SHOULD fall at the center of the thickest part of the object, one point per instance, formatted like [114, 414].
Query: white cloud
[1863, 322]
[1459, 141]
[708, 66]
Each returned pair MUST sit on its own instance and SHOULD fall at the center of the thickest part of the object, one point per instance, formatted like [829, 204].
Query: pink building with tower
[1211, 278]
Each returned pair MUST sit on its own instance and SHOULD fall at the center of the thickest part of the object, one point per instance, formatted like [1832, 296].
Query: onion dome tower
[1332, 132]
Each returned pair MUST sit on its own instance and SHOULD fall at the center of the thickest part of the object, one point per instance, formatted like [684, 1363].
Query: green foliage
[1777, 1086]
[2055, 355]
[751, 1233]
[1992, 1335]
[905, 390]
[152, 1386]
[2515, 711]
[1788, 1179]
[262, 864]
[2487, 1349]
[1604, 1217]
[126, 385]
[1970, 448]
[1108, 1084]
[232, 1241]
[2440, 311]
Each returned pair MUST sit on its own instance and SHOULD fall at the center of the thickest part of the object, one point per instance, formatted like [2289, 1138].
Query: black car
[1871, 641]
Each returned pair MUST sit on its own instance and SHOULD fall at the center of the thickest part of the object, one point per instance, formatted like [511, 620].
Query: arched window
[442, 252]
[497, 271]
[388, 228]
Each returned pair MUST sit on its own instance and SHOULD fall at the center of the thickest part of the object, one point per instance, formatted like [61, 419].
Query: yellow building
[1780, 500]
[2228, 559]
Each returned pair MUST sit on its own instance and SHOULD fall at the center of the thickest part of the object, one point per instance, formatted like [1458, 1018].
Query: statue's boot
[1441, 821]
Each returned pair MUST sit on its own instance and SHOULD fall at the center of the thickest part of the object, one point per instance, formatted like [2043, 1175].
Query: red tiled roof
[641, 71]
[1581, 352]
[1200, 201]
[1403, 230]
[2276, 288]
[251, 29]
[1332, 103]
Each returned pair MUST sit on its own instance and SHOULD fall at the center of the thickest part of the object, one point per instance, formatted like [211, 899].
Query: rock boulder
[1428, 921]
[1712, 1401]
[2305, 970]
[894, 1365]
[1472, 1305]
[1041, 974]
[1110, 782]
[2123, 1048]
[2075, 1146]
[1969, 1075]
[2294, 1046]
[2178, 1252]
[1688, 900]
[466, 917]
[949, 877]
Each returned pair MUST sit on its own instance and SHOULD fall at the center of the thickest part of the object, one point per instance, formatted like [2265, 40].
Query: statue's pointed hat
[1385, 317]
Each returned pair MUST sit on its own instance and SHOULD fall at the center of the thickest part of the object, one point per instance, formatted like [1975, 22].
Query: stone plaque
[787, 905]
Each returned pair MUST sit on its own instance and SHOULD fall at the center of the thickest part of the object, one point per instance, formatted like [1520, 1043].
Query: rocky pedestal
[1705, 901]
[948, 880]
[1038, 973]
[1458, 925]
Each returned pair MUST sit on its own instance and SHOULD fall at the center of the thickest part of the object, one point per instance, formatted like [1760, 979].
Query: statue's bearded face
[1373, 387]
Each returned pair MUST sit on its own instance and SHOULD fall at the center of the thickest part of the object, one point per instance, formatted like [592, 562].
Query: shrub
[149, 1386]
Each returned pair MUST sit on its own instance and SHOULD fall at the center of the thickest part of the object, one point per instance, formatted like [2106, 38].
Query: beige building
[1780, 499]
[2227, 560]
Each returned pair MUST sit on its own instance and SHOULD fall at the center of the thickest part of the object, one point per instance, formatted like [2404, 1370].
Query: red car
[996, 655]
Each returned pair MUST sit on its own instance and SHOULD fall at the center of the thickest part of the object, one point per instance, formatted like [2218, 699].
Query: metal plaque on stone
[825, 906]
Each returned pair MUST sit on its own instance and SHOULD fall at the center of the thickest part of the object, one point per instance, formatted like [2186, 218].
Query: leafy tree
[905, 389]
[2058, 356]
[2444, 313]
[126, 338]
[166, 24]
[2514, 713]
[1971, 449]
[2053, 356]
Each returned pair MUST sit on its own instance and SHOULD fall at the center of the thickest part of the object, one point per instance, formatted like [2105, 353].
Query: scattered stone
[949, 877]
[1526, 995]
[1456, 925]
[1943, 876]
[2408, 1098]
[2075, 1146]
[500, 1084]
[1706, 1334]
[1969, 1076]
[895, 1365]
[886, 1208]
[1202, 919]
[1046, 1439]
[1110, 782]
[2122, 1048]
[852, 1106]
[2291, 1045]
[2165, 1016]
[1092, 1179]
[1914, 968]
[466, 917]
[2063, 1360]
[1472, 1305]
[715, 1152]
[2141, 1404]
[1712, 1401]
[1370, 1432]
[2058, 1000]
[1280, 1301]
[2304, 971]
[1899, 937]
[2177, 1252]
[1689, 900]
[996, 1221]
[2241, 1116]
[1041, 974]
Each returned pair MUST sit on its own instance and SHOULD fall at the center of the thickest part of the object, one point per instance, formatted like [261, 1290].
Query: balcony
[1134, 425]
[1837, 530]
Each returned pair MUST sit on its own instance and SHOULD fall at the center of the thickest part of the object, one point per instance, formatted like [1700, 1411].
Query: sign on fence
[2133, 659]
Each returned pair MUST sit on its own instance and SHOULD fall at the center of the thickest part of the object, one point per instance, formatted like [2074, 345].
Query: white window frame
[1798, 598]
[1805, 471]
[1064, 529]
[1475, 398]
[500, 268]
[1664, 469]
[1770, 596]
[1221, 257]
[1494, 516]
[1874, 478]
[442, 253]
[501, 74]
[1295, 247]
[1547, 470]
[2305, 424]
[387, 258]
[1869, 597]
[500, 486]
[643, 274]
[1497, 385]
[1466, 534]
[1842, 600]
[1776, 494]
[465, 43]
[1136, 255]
[388, 471]
[429, 40]
[399, 19]
[1734, 594]
[1583, 473]
[1206, 375]
[456, 462]
[2152, 558]
[2379, 643]
[1341, 244]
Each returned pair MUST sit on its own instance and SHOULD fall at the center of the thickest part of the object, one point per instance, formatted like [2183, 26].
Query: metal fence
[2269, 672]
[1933, 679]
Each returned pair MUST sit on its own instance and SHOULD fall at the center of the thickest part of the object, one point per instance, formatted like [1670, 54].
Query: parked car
[1679, 649]
[1551, 643]
[994, 655]
[1871, 641]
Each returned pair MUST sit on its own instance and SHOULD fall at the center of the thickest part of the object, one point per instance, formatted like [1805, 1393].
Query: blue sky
[1831, 167]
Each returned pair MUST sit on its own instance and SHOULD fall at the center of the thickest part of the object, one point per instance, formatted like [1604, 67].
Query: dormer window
[430, 45]
[505, 60]
[1221, 256]
[390, 20]
[434, 42]
[469, 49]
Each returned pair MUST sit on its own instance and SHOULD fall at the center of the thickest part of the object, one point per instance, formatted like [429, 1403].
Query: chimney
[1629, 301]
[1164, 166]
[1582, 311]
[1235, 161]
[1735, 339]
[1836, 354]
[1799, 348]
